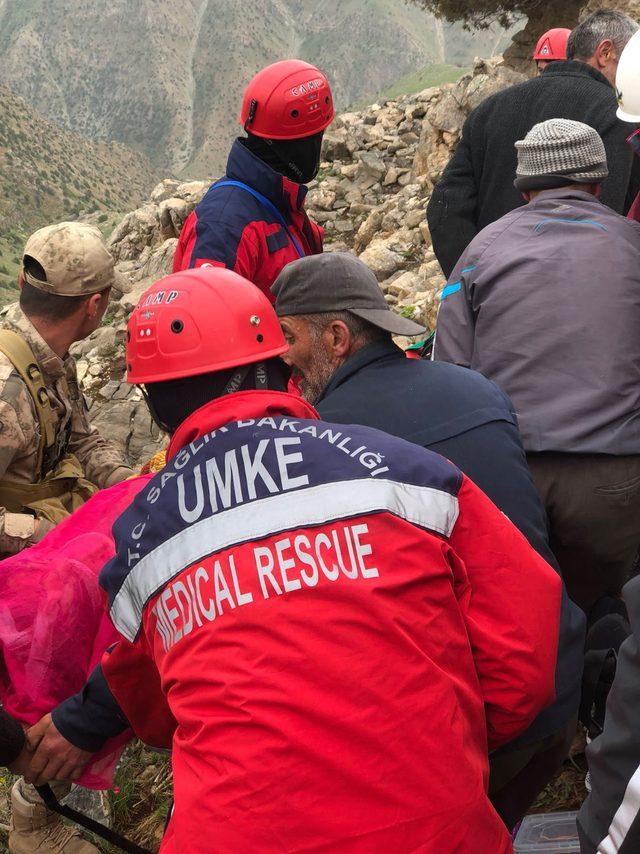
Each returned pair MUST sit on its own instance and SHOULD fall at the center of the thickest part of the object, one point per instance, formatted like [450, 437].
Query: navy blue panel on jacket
[470, 421]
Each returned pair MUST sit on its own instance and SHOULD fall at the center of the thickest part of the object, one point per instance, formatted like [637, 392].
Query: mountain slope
[165, 78]
[48, 174]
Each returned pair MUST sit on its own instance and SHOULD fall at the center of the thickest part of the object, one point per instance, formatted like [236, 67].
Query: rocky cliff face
[379, 168]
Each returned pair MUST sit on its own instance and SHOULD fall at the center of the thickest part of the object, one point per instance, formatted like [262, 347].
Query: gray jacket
[546, 303]
[609, 821]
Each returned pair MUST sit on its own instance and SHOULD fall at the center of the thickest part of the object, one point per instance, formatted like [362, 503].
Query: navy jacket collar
[361, 359]
[244, 166]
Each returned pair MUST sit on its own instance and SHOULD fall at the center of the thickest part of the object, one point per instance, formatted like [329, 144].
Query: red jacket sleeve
[134, 681]
[512, 613]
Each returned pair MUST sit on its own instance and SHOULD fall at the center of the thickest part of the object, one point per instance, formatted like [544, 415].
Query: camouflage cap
[74, 257]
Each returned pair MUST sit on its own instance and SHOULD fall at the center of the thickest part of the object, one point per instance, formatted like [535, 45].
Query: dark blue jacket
[231, 228]
[468, 419]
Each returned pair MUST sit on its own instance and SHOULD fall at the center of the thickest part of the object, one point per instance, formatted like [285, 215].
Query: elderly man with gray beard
[339, 329]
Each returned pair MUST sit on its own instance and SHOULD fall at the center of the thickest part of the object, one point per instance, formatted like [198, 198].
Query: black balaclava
[296, 159]
[172, 401]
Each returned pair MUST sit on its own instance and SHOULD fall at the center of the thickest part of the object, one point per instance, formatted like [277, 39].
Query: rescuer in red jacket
[329, 626]
[253, 219]
[551, 47]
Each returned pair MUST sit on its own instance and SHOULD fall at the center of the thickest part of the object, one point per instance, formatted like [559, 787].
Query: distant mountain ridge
[165, 78]
[48, 174]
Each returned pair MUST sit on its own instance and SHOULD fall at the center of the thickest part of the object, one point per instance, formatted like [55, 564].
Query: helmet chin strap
[261, 381]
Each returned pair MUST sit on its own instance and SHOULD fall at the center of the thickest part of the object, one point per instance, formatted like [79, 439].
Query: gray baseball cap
[337, 281]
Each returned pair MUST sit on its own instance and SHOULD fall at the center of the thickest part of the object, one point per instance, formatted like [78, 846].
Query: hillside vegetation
[48, 174]
[424, 78]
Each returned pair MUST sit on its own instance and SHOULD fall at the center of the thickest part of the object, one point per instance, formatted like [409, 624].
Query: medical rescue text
[231, 579]
[221, 584]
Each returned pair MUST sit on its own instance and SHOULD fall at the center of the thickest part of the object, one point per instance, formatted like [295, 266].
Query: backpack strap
[268, 204]
[20, 354]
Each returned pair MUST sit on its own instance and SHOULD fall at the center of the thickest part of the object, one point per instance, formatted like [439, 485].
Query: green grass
[424, 78]
[141, 797]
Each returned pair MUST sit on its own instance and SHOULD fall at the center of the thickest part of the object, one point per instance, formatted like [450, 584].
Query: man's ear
[96, 304]
[526, 196]
[604, 53]
[93, 305]
[339, 338]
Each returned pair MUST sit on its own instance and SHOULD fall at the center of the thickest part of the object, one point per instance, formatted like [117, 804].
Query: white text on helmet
[303, 88]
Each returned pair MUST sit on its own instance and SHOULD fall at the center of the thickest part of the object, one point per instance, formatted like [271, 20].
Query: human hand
[52, 756]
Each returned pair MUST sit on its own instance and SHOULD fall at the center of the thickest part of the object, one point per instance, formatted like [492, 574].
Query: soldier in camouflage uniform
[66, 277]
[51, 459]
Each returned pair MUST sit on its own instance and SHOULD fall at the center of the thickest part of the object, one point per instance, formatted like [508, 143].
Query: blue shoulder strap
[265, 202]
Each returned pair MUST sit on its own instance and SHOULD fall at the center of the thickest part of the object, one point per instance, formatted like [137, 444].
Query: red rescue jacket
[340, 623]
[231, 228]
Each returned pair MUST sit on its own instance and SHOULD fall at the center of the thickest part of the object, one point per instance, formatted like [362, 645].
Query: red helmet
[287, 100]
[552, 46]
[197, 322]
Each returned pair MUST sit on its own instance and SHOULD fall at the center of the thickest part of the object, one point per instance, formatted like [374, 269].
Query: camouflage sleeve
[12, 438]
[17, 530]
[101, 459]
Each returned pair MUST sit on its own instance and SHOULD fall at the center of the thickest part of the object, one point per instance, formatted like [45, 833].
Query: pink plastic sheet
[53, 621]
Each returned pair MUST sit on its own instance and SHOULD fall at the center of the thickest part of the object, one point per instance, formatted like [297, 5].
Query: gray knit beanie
[560, 152]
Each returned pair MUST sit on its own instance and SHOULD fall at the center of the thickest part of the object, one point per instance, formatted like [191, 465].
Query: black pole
[87, 823]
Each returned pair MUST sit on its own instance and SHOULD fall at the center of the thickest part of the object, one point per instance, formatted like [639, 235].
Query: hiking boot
[34, 828]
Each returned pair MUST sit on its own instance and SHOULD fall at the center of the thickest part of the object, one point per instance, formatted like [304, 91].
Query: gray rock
[391, 177]
[367, 230]
[164, 190]
[447, 114]
[172, 213]
[382, 260]
[322, 199]
[373, 164]
[414, 218]
[338, 145]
